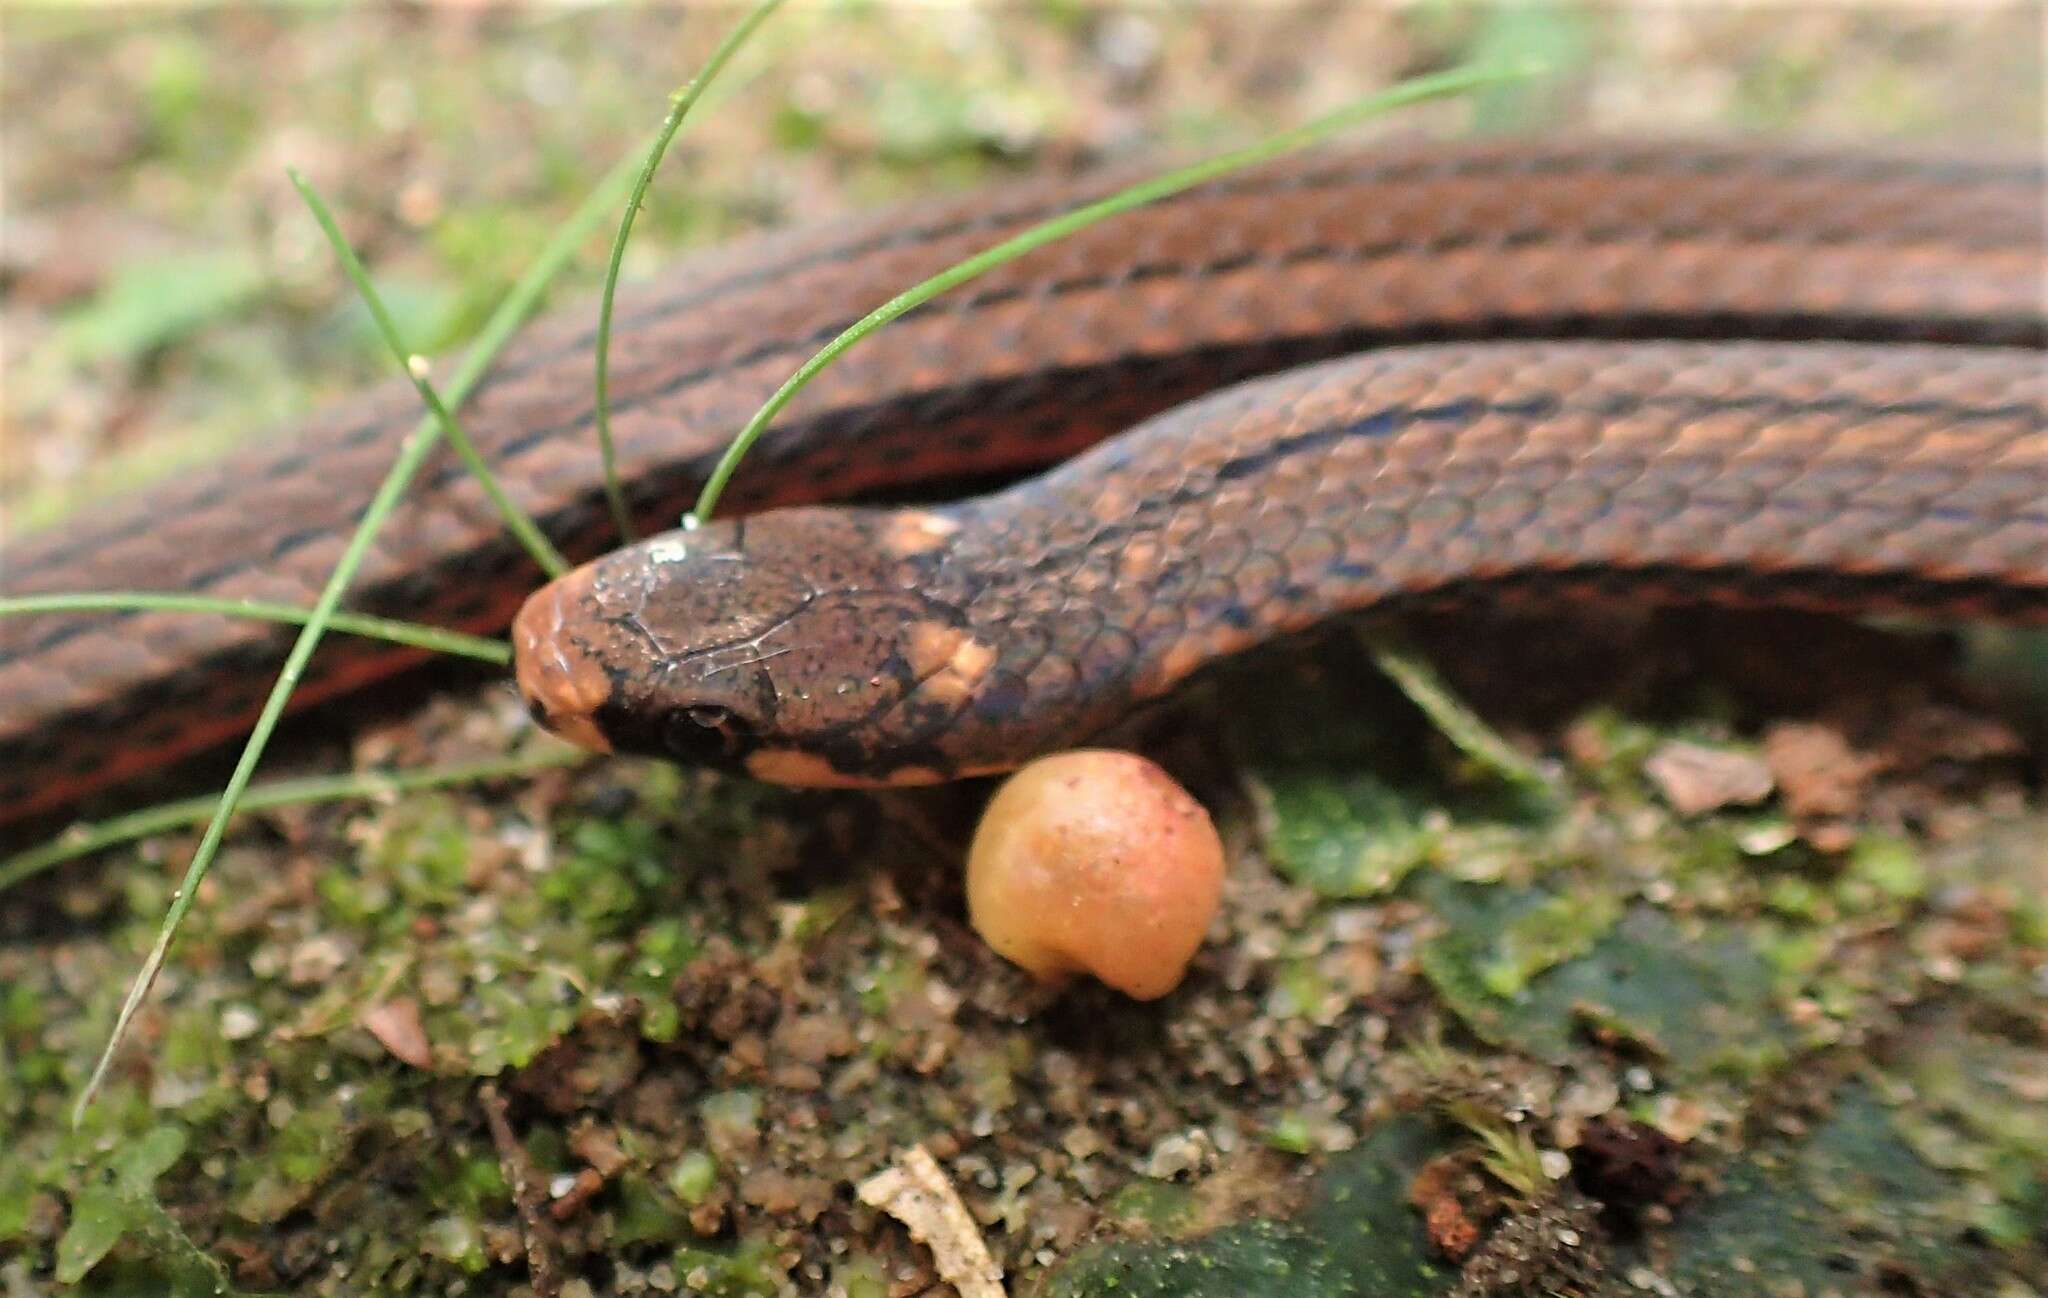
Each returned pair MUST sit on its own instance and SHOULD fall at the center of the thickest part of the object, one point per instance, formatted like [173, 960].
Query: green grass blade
[495, 652]
[415, 367]
[417, 445]
[84, 840]
[1455, 81]
[679, 108]
[1455, 720]
[506, 319]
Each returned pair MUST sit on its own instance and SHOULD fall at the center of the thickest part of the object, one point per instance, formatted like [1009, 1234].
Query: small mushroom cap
[1099, 862]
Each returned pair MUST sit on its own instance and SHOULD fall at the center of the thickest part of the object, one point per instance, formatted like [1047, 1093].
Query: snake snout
[563, 685]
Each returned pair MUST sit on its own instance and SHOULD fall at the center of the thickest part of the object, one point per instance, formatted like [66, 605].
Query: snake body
[833, 646]
[1797, 374]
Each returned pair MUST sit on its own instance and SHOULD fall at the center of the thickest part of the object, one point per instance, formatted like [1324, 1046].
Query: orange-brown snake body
[1842, 312]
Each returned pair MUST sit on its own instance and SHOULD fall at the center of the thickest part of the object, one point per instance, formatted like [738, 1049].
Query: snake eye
[707, 734]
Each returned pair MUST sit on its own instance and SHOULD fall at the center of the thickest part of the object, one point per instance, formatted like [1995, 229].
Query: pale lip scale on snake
[1813, 445]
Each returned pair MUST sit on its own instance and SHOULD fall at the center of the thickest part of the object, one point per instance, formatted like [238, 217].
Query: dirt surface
[1748, 995]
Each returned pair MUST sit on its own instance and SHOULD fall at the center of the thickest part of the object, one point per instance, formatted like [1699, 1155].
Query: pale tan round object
[1096, 861]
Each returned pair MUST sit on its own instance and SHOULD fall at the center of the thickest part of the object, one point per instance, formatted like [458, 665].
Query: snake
[1684, 370]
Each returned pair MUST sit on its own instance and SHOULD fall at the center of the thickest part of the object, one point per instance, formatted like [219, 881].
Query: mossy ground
[1448, 1036]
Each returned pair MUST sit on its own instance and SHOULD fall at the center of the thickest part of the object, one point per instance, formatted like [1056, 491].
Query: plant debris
[916, 1192]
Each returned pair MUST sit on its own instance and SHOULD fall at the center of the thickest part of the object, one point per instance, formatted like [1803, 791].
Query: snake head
[795, 646]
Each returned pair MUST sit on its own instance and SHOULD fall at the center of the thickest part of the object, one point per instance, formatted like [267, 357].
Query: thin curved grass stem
[504, 321]
[1416, 90]
[481, 648]
[679, 108]
[516, 521]
[84, 840]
